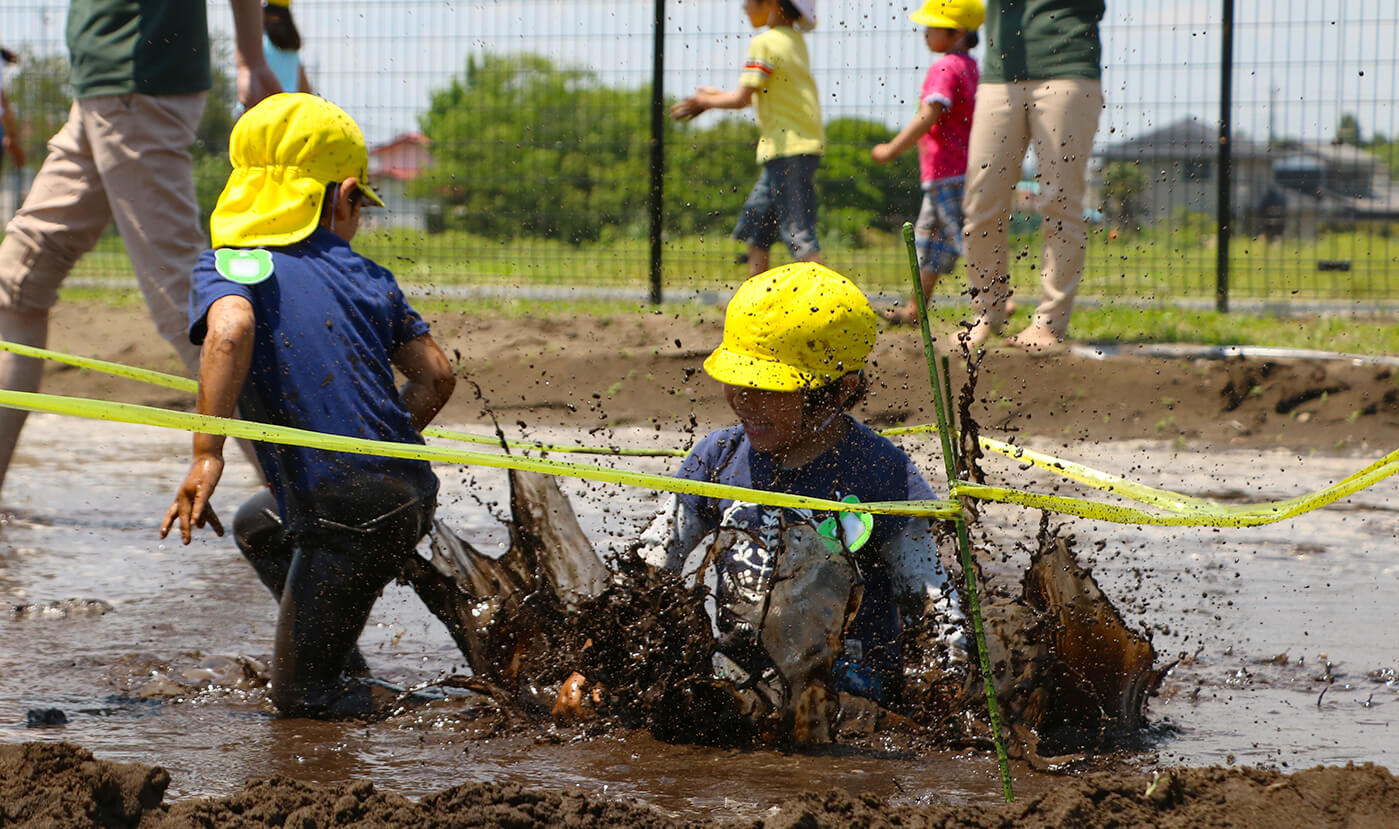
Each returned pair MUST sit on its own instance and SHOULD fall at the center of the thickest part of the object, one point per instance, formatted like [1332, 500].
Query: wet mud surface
[62, 785]
[155, 655]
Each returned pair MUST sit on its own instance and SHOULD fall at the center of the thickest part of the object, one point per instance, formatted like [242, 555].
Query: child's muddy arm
[430, 379]
[673, 533]
[223, 365]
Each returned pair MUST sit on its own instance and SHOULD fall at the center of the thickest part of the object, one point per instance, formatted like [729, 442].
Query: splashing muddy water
[1288, 657]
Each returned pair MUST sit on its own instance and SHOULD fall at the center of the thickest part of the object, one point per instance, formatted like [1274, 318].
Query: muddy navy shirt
[901, 555]
[327, 323]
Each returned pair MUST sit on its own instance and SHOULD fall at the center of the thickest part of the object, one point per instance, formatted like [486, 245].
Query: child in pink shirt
[942, 129]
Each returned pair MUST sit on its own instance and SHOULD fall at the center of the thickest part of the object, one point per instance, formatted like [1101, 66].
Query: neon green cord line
[185, 384]
[1183, 510]
[206, 424]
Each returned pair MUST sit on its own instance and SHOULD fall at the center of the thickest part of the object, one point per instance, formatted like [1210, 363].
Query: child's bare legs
[758, 259]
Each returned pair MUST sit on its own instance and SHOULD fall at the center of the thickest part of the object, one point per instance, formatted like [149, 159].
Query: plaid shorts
[938, 232]
[783, 203]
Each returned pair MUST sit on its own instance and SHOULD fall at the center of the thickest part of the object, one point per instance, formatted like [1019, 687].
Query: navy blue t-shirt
[865, 465]
[328, 322]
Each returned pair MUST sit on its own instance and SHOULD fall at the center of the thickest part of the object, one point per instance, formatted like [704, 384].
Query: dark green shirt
[1036, 40]
[154, 47]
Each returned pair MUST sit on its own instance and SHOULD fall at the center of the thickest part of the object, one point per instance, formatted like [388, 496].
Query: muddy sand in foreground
[61, 785]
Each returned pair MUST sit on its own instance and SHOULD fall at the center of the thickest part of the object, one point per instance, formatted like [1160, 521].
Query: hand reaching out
[191, 505]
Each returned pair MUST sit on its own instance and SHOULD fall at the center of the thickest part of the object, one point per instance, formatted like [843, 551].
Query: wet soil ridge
[63, 786]
[597, 372]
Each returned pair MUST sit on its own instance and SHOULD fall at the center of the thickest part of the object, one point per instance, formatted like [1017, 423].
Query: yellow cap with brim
[286, 4]
[950, 14]
[285, 151]
[795, 327]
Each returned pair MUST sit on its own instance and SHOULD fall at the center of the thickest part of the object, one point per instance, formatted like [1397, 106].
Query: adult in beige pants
[1040, 84]
[122, 156]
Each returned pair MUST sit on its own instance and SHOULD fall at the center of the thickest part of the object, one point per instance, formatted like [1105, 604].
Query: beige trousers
[118, 158]
[1060, 117]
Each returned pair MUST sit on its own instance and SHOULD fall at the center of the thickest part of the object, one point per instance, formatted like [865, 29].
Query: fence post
[657, 145]
[1226, 167]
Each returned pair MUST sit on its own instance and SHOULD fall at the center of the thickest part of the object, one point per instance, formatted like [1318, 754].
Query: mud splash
[548, 628]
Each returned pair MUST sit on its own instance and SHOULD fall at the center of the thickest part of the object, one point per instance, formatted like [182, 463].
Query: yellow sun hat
[286, 4]
[951, 14]
[285, 150]
[795, 327]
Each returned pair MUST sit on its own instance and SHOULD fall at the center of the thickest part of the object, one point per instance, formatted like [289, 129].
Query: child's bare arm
[430, 379]
[928, 115]
[223, 365]
[708, 97]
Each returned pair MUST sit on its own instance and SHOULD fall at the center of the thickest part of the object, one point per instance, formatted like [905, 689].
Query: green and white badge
[246, 267]
[848, 529]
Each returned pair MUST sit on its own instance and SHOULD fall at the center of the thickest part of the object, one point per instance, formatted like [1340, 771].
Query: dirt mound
[589, 373]
[1353, 796]
[61, 785]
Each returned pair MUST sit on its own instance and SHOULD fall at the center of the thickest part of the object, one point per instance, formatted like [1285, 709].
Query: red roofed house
[391, 166]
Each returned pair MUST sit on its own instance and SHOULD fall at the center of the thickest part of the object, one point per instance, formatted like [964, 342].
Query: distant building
[1179, 165]
[392, 165]
[1308, 182]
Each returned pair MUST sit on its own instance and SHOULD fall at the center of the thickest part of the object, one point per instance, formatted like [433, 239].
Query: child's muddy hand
[573, 703]
[191, 506]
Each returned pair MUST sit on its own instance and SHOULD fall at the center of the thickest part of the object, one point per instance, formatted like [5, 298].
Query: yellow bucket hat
[951, 14]
[795, 327]
[285, 151]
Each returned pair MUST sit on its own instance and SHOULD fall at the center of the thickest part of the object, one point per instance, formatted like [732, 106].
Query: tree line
[524, 147]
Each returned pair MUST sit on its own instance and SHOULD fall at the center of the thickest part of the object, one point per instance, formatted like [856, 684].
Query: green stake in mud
[942, 404]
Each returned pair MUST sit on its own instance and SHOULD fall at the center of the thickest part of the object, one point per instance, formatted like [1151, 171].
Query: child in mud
[941, 129]
[299, 330]
[792, 361]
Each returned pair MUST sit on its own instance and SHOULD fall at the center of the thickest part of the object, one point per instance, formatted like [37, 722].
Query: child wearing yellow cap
[942, 131]
[299, 330]
[792, 363]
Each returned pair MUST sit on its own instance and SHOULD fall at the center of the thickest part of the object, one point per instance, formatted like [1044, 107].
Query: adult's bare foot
[979, 333]
[1037, 338]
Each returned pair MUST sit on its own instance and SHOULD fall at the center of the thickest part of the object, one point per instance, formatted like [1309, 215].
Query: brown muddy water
[1286, 634]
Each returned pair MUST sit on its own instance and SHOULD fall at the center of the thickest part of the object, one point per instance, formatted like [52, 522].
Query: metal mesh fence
[513, 140]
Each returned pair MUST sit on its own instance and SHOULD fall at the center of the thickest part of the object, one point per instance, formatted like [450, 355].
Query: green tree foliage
[524, 147]
[859, 191]
[1348, 131]
[41, 95]
[1124, 185]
